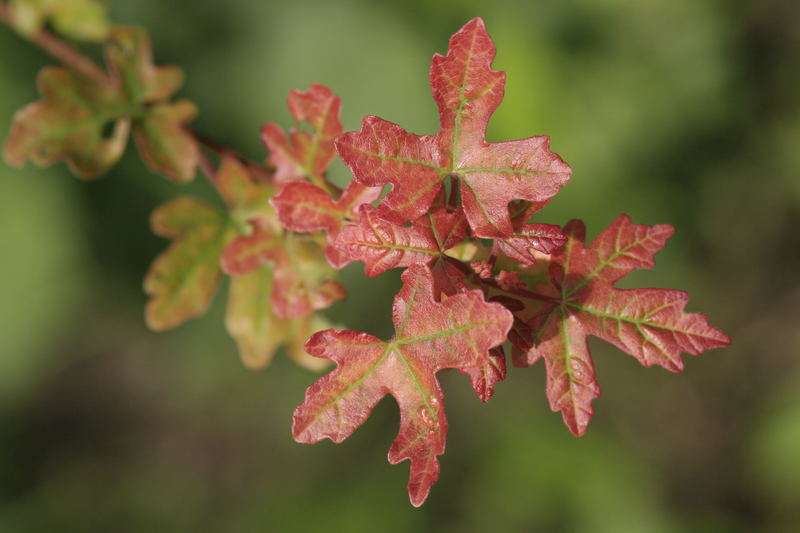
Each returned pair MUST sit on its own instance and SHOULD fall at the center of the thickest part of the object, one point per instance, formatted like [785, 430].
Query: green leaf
[183, 279]
[164, 143]
[84, 20]
[258, 332]
[130, 55]
[68, 124]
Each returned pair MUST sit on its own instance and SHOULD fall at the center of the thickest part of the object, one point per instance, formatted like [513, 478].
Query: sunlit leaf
[491, 175]
[430, 336]
[581, 300]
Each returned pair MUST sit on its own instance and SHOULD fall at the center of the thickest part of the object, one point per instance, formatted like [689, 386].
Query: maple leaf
[303, 154]
[182, 280]
[258, 331]
[382, 245]
[85, 20]
[491, 175]
[430, 336]
[304, 207]
[304, 282]
[68, 123]
[165, 144]
[580, 299]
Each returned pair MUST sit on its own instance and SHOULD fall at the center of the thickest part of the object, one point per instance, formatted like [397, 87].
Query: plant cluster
[481, 279]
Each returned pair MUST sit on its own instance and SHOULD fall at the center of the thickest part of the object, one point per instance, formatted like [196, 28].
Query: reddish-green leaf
[166, 146]
[258, 331]
[68, 124]
[304, 207]
[303, 280]
[649, 324]
[491, 175]
[183, 279]
[528, 239]
[130, 55]
[430, 336]
[382, 245]
[305, 154]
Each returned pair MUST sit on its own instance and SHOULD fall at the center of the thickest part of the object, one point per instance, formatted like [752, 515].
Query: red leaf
[649, 324]
[382, 245]
[530, 238]
[491, 175]
[305, 154]
[430, 336]
[304, 207]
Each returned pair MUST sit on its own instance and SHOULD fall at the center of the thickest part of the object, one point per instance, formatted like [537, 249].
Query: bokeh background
[683, 112]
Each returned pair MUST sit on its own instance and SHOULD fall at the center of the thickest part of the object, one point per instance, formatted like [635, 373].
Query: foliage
[480, 277]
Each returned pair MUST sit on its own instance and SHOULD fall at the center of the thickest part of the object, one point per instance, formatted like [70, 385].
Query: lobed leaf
[68, 124]
[649, 324]
[491, 175]
[182, 280]
[304, 207]
[305, 154]
[166, 146]
[458, 332]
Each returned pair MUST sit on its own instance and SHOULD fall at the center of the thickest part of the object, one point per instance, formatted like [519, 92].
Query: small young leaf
[430, 336]
[68, 124]
[304, 207]
[84, 20]
[304, 154]
[649, 324]
[491, 175]
[130, 55]
[251, 320]
[183, 279]
[166, 146]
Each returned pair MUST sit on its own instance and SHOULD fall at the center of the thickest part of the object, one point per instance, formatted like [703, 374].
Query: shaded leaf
[303, 280]
[528, 239]
[68, 124]
[430, 336]
[183, 279]
[84, 20]
[491, 175]
[258, 332]
[130, 55]
[649, 324]
[166, 146]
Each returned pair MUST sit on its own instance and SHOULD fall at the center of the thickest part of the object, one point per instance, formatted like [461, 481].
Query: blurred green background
[682, 111]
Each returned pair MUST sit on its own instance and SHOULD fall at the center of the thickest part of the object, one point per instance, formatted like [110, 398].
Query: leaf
[305, 154]
[68, 124]
[130, 55]
[84, 20]
[303, 207]
[491, 175]
[528, 239]
[649, 324]
[166, 146]
[304, 282]
[251, 320]
[430, 336]
[382, 245]
[183, 279]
